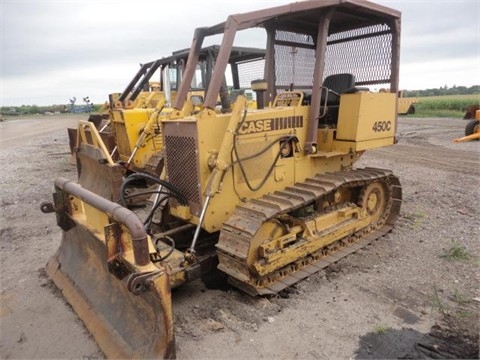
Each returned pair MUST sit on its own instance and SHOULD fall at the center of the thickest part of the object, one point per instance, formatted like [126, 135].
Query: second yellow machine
[267, 196]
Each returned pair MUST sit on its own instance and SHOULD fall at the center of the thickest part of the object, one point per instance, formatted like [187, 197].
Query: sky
[54, 50]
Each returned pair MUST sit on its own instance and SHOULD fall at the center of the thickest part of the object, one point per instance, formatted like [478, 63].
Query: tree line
[444, 90]
[34, 109]
[51, 109]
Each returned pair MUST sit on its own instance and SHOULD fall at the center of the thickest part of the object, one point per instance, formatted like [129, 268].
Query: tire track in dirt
[434, 157]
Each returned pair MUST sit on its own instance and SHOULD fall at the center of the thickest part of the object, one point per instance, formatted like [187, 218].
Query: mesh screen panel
[249, 71]
[294, 60]
[365, 53]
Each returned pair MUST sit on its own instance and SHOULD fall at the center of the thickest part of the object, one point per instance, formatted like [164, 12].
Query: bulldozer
[267, 195]
[406, 105]
[128, 134]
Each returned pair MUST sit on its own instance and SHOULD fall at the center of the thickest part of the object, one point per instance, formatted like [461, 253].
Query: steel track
[247, 219]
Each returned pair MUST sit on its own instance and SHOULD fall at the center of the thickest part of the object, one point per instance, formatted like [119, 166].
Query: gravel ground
[399, 297]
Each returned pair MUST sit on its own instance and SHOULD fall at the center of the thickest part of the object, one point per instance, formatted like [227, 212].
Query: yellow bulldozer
[128, 134]
[267, 196]
[406, 105]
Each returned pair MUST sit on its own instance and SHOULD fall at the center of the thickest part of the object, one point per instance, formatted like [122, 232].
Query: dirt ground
[412, 294]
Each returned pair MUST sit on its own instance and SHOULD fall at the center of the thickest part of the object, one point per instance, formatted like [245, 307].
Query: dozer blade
[127, 321]
[96, 168]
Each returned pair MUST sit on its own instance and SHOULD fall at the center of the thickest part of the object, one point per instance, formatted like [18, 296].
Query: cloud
[57, 86]
[437, 73]
[440, 43]
[53, 50]
[46, 36]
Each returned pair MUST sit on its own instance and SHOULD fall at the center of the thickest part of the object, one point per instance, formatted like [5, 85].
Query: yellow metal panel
[404, 104]
[376, 143]
[128, 126]
[362, 145]
[366, 116]
[260, 128]
[325, 139]
[95, 219]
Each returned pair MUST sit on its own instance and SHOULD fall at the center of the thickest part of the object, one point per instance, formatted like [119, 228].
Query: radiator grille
[182, 171]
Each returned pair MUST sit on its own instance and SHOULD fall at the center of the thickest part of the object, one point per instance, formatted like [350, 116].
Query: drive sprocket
[374, 198]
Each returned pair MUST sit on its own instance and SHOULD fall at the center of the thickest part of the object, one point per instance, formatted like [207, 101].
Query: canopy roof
[303, 16]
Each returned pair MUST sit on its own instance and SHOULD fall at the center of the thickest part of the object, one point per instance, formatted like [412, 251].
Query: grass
[464, 314]
[455, 314]
[439, 113]
[460, 298]
[436, 302]
[445, 106]
[380, 329]
[416, 219]
[419, 219]
[457, 252]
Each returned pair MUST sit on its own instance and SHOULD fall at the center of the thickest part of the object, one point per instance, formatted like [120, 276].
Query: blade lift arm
[147, 131]
[221, 165]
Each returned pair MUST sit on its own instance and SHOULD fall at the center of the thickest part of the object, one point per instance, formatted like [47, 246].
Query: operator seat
[333, 86]
[338, 84]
